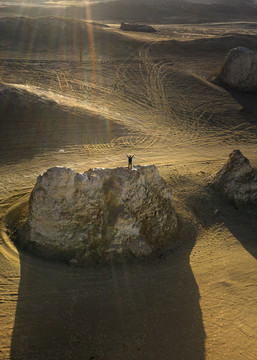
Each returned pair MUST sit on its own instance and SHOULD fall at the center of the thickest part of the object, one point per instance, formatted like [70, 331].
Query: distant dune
[33, 122]
[52, 34]
[62, 39]
[215, 45]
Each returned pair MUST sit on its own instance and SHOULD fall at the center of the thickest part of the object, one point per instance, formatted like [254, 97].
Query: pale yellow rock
[237, 180]
[100, 212]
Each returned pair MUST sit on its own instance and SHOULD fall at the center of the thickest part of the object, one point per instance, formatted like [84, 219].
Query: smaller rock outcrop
[137, 27]
[240, 69]
[237, 180]
[101, 212]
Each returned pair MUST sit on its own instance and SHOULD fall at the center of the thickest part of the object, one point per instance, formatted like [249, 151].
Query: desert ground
[79, 94]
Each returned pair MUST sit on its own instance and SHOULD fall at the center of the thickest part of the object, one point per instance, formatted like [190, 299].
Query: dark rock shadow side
[246, 99]
[142, 310]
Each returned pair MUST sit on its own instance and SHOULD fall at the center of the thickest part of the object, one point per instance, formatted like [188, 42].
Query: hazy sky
[80, 2]
[50, 2]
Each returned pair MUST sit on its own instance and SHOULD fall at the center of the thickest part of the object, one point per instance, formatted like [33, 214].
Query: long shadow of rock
[243, 225]
[213, 208]
[148, 310]
[246, 99]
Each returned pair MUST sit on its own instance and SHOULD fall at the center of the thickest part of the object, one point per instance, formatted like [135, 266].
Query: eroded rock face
[240, 69]
[137, 27]
[100, 212]
[237, 180]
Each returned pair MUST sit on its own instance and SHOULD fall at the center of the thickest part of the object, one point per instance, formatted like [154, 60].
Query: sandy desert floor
[151, 95]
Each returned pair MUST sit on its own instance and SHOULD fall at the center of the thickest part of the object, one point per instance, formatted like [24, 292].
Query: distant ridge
[163, 11]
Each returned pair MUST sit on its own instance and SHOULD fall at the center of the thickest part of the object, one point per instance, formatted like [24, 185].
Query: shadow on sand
[243, 225]
[244, 98]
[247, 100]
[213, 208]
[146, 310]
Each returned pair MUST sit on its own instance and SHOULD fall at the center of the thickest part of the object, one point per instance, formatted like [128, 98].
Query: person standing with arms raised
[130, 157]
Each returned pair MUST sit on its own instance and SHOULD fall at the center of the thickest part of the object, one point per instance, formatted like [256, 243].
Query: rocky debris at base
[101, 212]
[240, 69]
[237, 180]
[137, 27]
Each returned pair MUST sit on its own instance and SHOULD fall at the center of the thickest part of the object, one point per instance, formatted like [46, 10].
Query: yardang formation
[102, 212]
[237, 180]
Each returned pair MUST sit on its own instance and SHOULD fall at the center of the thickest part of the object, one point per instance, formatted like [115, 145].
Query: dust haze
[77, 91]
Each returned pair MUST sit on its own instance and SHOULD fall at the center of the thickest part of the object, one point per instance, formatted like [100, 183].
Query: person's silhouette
[130, 157]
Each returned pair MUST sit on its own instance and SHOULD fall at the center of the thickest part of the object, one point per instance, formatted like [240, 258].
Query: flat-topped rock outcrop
[137, 27]
[237, 180]
[240, 69]
[100, 212]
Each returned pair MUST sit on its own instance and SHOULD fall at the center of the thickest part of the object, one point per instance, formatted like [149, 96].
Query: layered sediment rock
[137, 27]
[100, 212]
[240, 69]
[237, 180]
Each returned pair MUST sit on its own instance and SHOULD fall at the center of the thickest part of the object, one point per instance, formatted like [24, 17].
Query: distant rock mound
[137, 27]
[238, 181]
[97, 24]
[240, 69]
[101, 212]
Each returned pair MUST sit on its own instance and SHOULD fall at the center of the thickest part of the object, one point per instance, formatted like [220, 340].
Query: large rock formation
[240, 69]
[137, 27]
[237, 180]
[100, 212]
